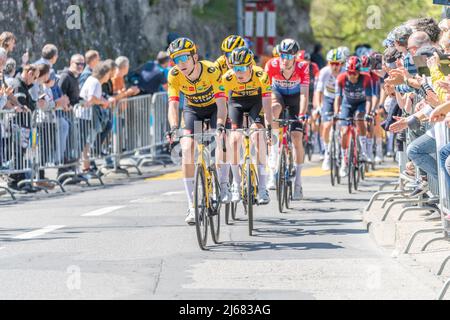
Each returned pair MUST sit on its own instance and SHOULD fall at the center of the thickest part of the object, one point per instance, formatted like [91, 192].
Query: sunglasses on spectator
[287, 56]
[240, 69]
[80, 64]
[179, 59]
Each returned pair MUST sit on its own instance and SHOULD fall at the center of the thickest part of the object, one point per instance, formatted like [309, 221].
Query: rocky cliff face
[135, 28]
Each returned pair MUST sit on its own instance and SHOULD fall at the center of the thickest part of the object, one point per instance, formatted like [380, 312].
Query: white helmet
[345, 51]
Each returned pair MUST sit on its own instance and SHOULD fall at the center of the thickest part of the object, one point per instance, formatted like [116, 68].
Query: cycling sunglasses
[240, 68]
[352, 73]
[335, 63]
[179, 59]
[287, 56]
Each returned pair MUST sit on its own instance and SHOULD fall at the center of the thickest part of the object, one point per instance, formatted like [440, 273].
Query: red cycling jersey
[290, 86]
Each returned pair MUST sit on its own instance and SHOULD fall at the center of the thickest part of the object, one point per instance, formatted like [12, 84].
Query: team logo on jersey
[221, 87]
[259, 74]
[269, 88]
[211, 69]
[229, 77]
[175, 72]
[191, 89]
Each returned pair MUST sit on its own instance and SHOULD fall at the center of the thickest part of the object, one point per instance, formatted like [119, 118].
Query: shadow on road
[233, 246]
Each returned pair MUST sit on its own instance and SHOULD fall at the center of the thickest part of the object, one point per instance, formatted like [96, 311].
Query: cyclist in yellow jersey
[200, 82]
[249, 91]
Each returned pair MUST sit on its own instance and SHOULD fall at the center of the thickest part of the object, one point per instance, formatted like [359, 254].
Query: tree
[351, 22]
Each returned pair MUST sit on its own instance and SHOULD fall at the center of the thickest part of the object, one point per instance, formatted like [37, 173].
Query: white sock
[363, 142]
[236, 174]
[298, 175]
[273, 159]
[189, 188]
[224, 173]
[262, 176]
[380, 147]
[323, 145]
[326, 146]
[369, 147]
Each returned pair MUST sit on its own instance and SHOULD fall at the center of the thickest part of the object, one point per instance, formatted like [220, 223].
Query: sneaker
[272, 182]
[263, 197]
[364, 157]
[389, 154]
[225, 194]
[369, 158]
[434, 216]
[326, 164]
[190, 217]
[378, 160]
[420, 189]
[298, 193]
[343, 172]
[321, 157]
[235, 193]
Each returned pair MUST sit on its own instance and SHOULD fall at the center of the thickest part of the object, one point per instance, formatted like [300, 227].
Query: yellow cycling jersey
[200, 93]
[221, 64]
[259, 84]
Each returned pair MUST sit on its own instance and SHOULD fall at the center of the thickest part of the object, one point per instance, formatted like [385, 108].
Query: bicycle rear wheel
[201, 210]
[215, 206]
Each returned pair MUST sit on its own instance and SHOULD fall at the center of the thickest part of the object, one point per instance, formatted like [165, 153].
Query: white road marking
[102, 211]
[37, 233]
[175, 193]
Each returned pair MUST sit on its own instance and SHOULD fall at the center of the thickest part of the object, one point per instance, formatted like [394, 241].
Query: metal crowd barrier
[132, 128]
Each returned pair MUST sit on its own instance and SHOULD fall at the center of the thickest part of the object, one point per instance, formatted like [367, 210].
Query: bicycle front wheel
[201, 209]
[351, 166]
[281, 182]
[215, 206]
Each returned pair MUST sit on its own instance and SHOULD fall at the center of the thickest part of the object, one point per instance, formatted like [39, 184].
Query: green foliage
[40, 7]
[351, 22]
[218, 11]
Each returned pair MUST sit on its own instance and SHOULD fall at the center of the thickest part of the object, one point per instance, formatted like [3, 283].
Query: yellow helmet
[232, 42]
[241, 56]
[275, 52]
[181, 45]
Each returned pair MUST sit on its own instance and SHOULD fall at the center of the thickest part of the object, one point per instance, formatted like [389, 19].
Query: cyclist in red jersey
[354, 98]
[290, 86]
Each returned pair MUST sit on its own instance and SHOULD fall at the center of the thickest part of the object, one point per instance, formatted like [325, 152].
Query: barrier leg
[444, 290]
[444, 263]
[9, 192]
[426, 245]
[411, 240]
[388, 210]
[393, 198]
[378, 194]
[405, 210]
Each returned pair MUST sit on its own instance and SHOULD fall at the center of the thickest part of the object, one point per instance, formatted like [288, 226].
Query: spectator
[92, 59]
[91, 93]
[149, 78]
[3, 90]
[444, 42]
[7, 41]
[118, 81]
[317, 56]
[68, 80]
[163, 60]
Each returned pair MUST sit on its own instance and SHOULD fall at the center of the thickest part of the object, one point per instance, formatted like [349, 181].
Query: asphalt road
[129, 241]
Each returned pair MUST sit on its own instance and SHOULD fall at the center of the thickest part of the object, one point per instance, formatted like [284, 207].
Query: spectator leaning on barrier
[149, 78]
[91, 93]
[444, 42]
[163, 60]
[92, 59]
[118, 81]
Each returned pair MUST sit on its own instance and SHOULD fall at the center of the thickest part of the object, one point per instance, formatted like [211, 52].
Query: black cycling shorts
[251, 105]
[293, 103]
[193, 115]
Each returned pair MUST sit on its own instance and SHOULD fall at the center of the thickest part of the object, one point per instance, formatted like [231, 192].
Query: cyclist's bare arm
[368, 104]
[173, 113]
[304, 98]
[222, 111]
[318, 99]
[267, 106]
[337, 104]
